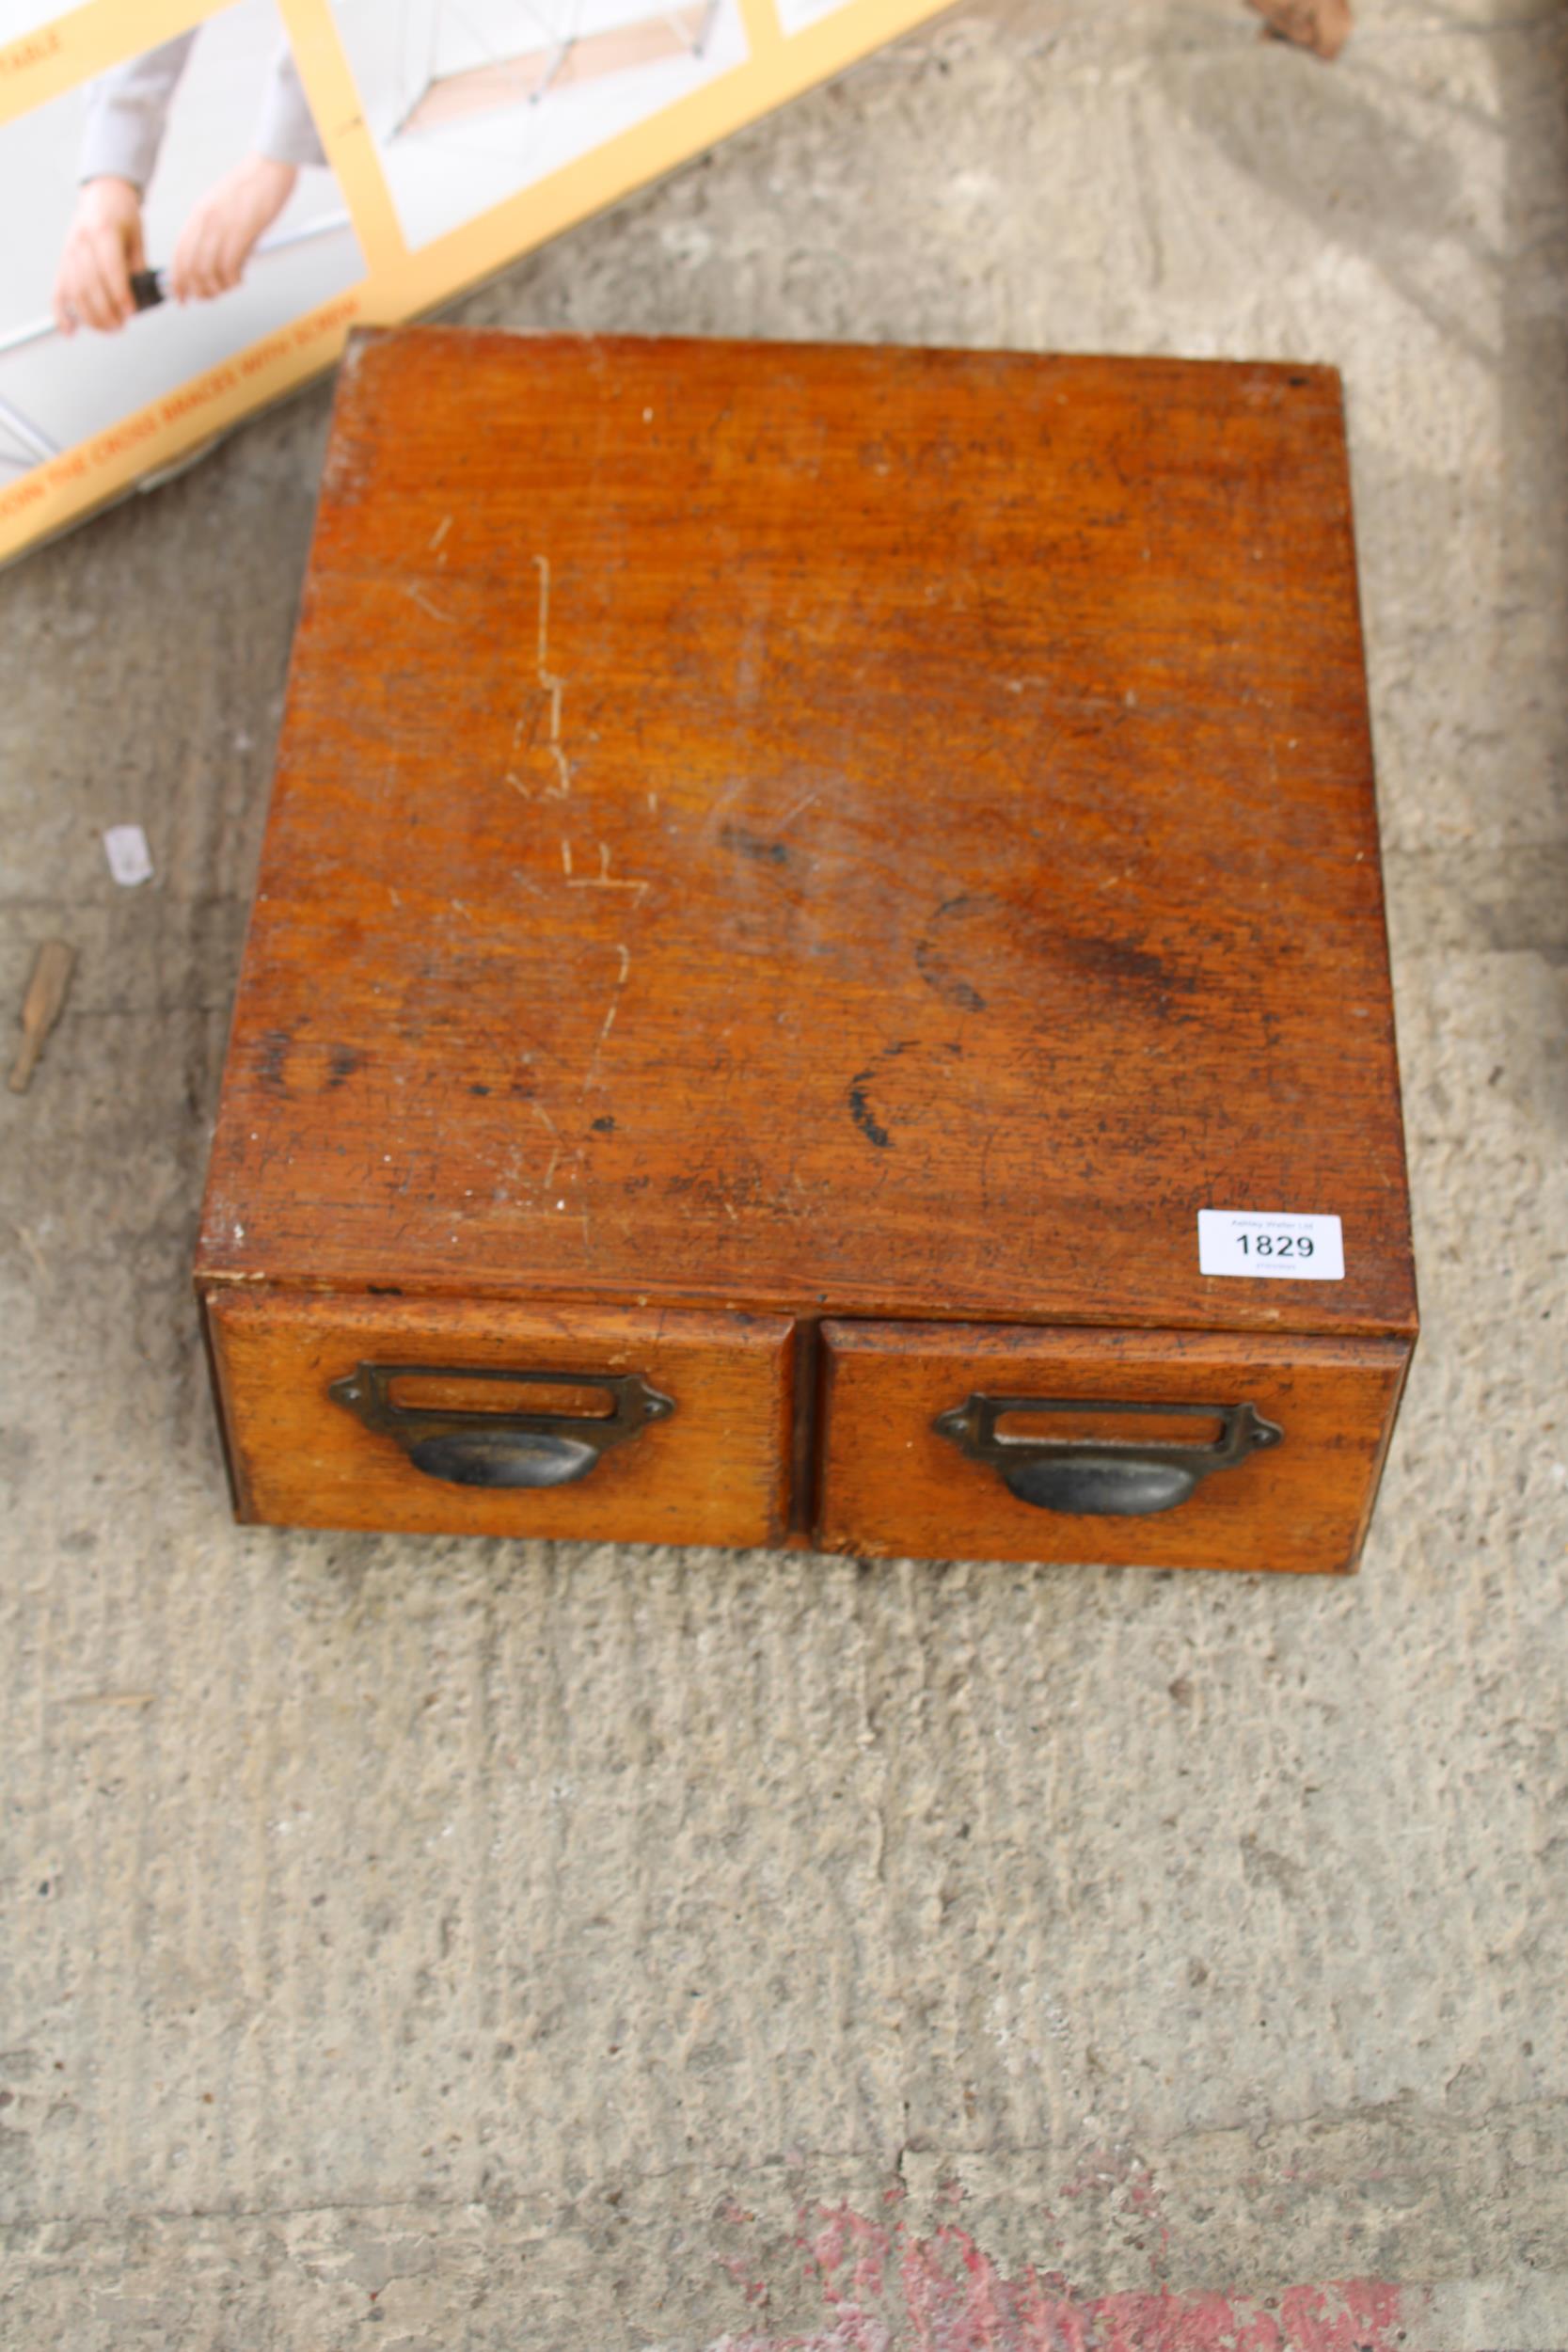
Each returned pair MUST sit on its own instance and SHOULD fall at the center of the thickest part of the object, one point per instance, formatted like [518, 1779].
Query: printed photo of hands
[179, 207]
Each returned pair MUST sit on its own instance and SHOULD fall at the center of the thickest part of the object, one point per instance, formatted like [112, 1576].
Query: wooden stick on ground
[1321, 26]
[40, 1007]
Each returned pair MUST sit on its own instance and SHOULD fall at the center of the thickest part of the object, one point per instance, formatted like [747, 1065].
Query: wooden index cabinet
[795, 875]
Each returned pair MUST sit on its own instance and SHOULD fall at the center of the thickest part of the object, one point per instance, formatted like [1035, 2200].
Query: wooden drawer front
[697, 1454]
[892, 1484]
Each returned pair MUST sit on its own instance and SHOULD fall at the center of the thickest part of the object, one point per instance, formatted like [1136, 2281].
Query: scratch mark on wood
[567, 859]
[440, 532]
[541, 1115]
[552, 686]
[591, 1075]
[605, 880]
[799, 810]
[425, 604]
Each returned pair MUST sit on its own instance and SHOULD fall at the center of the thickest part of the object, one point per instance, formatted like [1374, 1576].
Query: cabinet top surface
[885, 831]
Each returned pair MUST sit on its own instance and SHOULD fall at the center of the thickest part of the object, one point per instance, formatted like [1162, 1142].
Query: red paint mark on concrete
[885, 2288]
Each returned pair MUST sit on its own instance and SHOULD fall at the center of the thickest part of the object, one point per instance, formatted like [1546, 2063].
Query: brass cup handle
[1110, 1477]
[504, 1449]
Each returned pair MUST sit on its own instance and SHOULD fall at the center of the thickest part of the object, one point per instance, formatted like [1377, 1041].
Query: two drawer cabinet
[818, 969]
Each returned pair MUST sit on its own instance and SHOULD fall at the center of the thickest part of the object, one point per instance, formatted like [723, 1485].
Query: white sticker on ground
[130, 859]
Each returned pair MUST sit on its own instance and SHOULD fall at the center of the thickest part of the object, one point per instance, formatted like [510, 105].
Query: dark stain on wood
[860, 1111]
[272, 1049]
[932, 961]
[752, 845]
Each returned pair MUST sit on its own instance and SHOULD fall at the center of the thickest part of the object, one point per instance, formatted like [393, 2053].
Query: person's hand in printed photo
[106, 248]
[219, 233]
[92, 285]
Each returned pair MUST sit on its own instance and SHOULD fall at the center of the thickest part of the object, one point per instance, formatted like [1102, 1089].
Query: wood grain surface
[869, 832]
[893, 1486]
[714, 1472]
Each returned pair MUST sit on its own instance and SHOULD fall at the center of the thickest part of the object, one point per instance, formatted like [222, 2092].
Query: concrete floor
[532, 1946]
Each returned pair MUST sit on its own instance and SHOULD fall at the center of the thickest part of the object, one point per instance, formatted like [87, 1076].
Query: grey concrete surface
[446, 1945]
